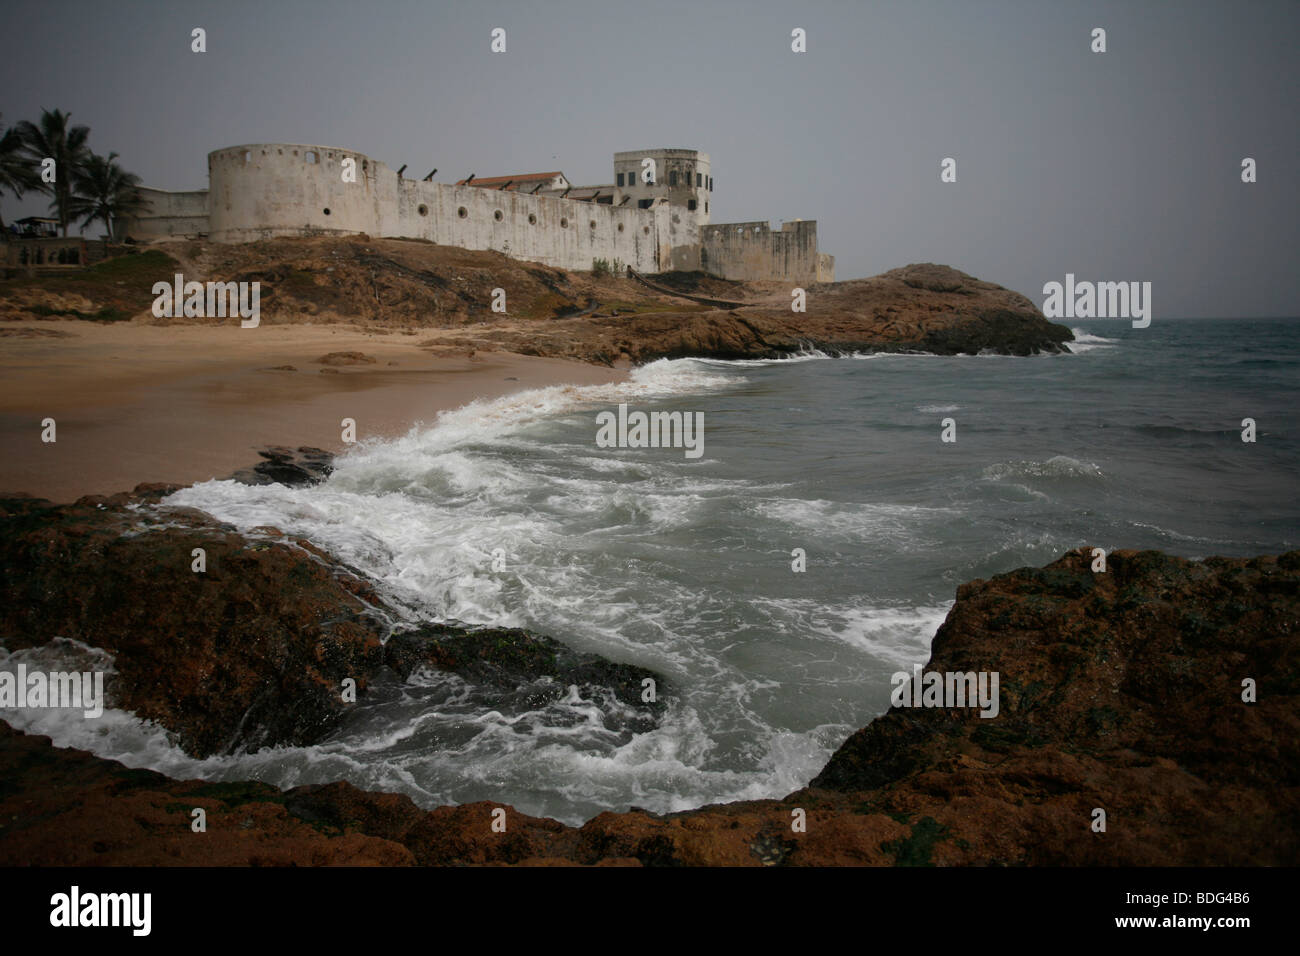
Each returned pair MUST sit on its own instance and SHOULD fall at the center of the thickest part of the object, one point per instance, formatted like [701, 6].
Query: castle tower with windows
[678, 177]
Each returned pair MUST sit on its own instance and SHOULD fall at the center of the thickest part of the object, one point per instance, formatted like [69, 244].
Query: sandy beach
[136, 402]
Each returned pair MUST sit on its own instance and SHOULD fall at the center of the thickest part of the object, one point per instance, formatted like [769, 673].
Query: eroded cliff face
[1119, 690]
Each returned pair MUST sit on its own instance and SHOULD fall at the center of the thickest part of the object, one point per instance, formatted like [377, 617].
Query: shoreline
[1106, 677]
[137, 403]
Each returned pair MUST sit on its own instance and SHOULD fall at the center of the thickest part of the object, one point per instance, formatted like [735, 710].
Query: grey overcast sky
[1123, 165]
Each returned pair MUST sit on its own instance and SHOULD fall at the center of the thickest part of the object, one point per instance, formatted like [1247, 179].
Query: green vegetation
[152, 266]
[238, 793]
[548, 305]
[118, 288]
[916, 849]
[84, 186]
[16, 172]
[104, 191]
[1004, 738]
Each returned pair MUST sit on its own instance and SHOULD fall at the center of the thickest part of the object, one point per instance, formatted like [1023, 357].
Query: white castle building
[265, 190]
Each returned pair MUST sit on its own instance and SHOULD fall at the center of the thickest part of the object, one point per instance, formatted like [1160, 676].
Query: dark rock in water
[249, 652]
[1120, 690]
[252, 650]
[287, 466]
[537, 668]
[1138, 658]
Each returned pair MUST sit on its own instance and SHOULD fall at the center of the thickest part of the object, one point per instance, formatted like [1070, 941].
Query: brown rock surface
[1120, 690]
[388, 284]
[346, 358]
[253, 650]
[250, 651]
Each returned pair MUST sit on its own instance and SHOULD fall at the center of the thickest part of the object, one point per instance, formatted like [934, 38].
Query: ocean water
[684, 565]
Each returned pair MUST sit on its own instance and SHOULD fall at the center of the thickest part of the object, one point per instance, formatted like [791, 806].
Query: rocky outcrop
[387, 284]
[1147, 657]
[237, 642]
[291, 467]
[249, 651]
[535, 669]
[1120, 690]
[919, 308]
[347, 358]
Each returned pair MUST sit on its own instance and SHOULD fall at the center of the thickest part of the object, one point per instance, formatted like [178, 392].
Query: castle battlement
[265, 190]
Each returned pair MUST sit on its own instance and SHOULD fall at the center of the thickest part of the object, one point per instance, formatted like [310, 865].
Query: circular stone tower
[289, 189]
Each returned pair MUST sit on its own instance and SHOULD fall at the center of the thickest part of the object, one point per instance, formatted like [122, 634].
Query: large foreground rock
[254, 650]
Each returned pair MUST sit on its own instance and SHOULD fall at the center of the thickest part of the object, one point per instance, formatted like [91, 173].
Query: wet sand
[141, 403]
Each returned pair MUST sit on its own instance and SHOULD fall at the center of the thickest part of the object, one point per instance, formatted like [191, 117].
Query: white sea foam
[803, 355]
[904, 525]
[899, 635]
[1059, 466]
[646, 560]
[1179, 536]
[1087, 342]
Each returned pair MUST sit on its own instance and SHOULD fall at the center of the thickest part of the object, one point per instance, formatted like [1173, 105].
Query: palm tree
[53, 139]
[104, 190]
[16, 175]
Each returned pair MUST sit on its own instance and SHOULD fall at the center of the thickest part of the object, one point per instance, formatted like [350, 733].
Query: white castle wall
[171, 214]
[276, 189]
[263, 190]
[558, 232]
[753, 250]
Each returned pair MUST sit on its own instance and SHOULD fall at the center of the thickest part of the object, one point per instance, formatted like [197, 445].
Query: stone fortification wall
[755, 251]
[265, 190]
[167, 213]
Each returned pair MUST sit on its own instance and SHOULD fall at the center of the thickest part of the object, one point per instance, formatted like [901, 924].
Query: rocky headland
[446, 294]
